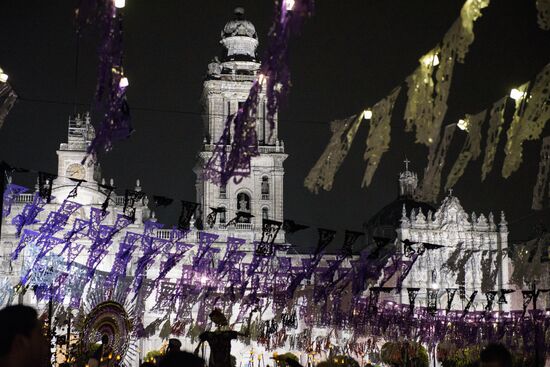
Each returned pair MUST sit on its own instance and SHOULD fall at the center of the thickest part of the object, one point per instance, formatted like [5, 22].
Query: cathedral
[226, 86]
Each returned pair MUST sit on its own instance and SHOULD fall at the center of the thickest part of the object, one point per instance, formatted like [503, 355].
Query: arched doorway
[244, 205]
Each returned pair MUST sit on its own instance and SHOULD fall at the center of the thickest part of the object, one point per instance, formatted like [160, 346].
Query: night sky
[350, 55]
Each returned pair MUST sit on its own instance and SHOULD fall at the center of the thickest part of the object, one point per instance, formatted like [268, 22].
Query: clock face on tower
[76, 171]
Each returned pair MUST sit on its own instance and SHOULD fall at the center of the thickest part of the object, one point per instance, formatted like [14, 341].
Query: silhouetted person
[219, 340]
[288, 361]
[495, 355]
[103, 356]
[174, 345]
[172, 350]
[22, 341]
[182, 359]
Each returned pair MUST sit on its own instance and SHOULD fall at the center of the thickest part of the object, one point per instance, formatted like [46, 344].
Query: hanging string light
[289, 5]
[123, 82]
[367, 114]
[462, 124]
[3, 76]
[517, 94]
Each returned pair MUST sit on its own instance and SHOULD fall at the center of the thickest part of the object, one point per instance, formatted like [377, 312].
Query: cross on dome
[406, 161]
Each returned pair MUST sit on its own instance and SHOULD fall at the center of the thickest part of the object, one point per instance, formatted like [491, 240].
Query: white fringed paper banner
[427, 101]
[323, 172]
[470, 150]
[543, 8]
[8, 97]
[431, 182]
[532, 113]
[419, 108]
[378, 140]
[470, 12]
[496, 120]
[541, 190]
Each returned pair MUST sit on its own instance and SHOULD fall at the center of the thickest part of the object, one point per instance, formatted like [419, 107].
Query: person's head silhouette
[174, 346]
[218, 317]
[22, 342]
[495, 355]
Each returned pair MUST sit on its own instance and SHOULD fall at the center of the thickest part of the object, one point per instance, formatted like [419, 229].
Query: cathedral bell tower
[408, 182]
[226, 87]
[70, 154]
[69, 162]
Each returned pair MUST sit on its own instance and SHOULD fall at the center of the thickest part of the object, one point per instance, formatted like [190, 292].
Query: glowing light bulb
[462, 124]
[516, 94]
[124, 82]
[261, 79]
[3, 77]
[289, 4]
[430, 60]
[120, 4]
[435, 285]
[367, 114]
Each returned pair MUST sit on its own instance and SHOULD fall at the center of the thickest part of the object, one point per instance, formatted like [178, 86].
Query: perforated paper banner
[470, 150]
[541, 190]
[378, 140]
[11, 192]
[323, 172]
[496, 120]
[431, 182]
[427, 97]
[419, 108]
[543, 8]
[470, 12]
[8, 97]
[532, 113]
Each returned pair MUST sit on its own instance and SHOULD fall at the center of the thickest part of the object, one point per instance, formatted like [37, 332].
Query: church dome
[239, 26]
[239, 38]
[387, 219]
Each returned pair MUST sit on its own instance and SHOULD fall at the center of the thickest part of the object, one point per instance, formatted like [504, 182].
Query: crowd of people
[23, 343]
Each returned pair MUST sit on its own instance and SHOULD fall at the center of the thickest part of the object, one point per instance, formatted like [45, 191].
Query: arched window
[243, 205]
[265, 188]
[265, 213]
[222, 216]
[223, 192]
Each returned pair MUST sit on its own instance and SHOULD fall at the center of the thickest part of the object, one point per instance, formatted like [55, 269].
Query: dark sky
[349, 55]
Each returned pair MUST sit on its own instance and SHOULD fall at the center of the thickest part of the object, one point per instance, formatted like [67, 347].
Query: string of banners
[428, 92]
[63, 255]
[110, 94]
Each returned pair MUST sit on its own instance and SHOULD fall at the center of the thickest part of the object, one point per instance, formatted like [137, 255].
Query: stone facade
[227, 84]
[226, 87]
[450, 226]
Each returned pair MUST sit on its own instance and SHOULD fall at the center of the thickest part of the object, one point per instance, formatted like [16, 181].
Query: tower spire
[407, 181]
[406, 161]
